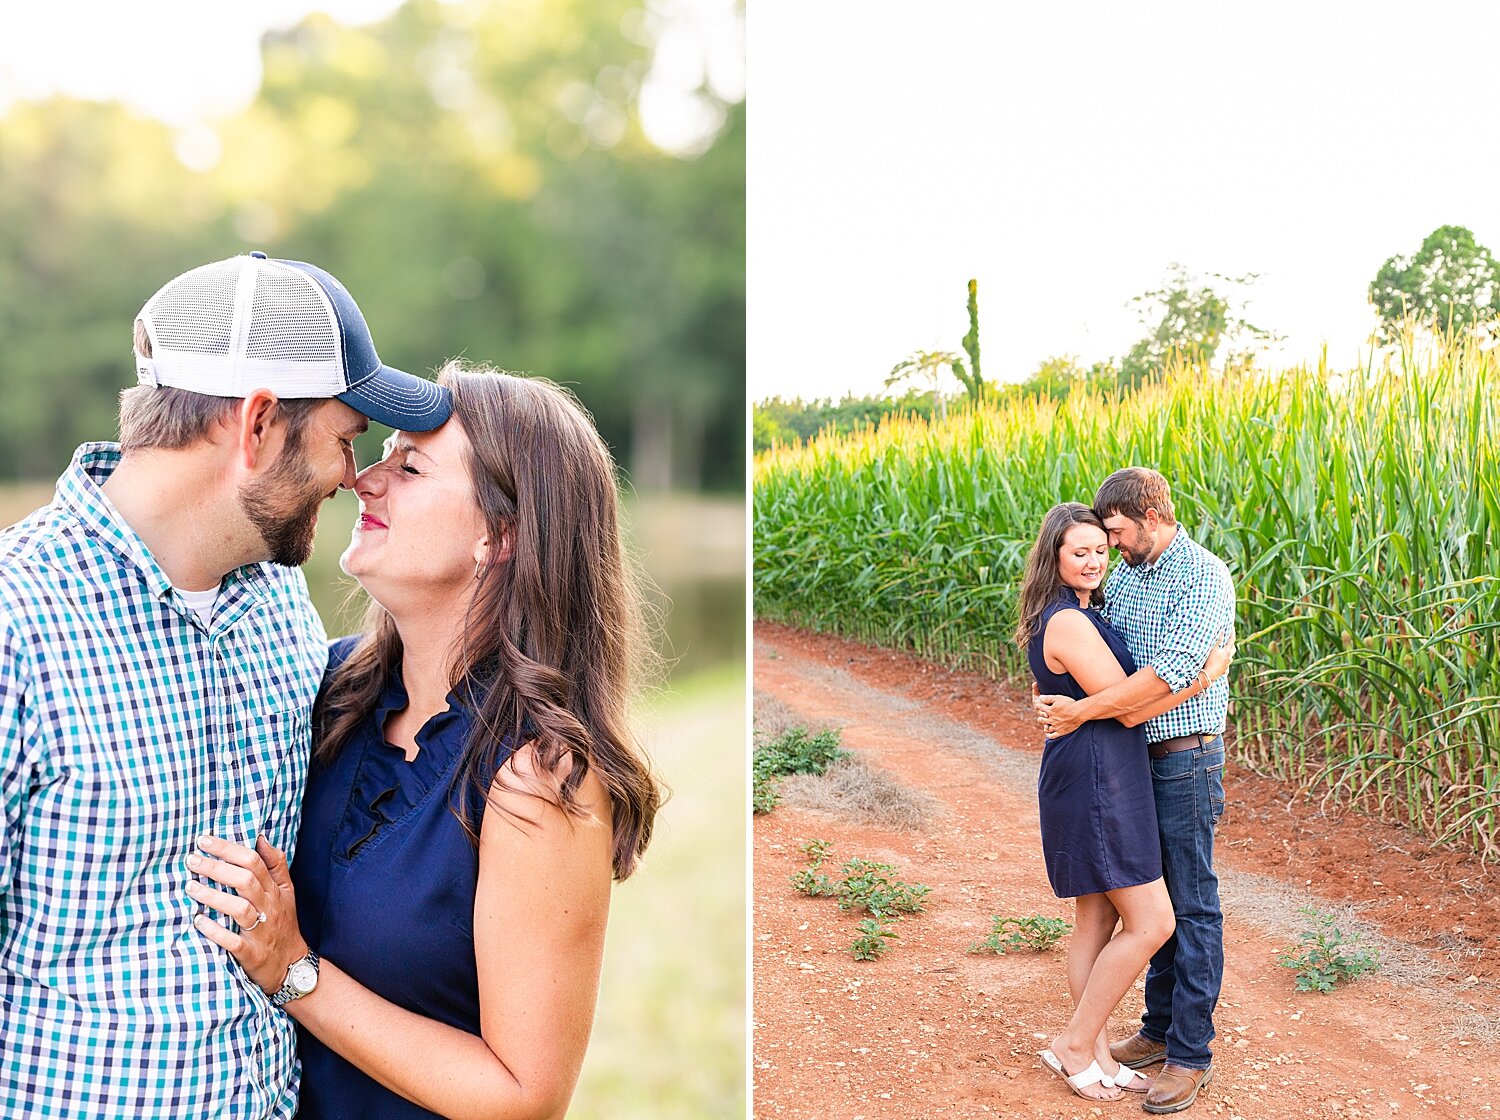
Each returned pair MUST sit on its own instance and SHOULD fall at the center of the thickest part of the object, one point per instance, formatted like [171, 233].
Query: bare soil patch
[931, 1030]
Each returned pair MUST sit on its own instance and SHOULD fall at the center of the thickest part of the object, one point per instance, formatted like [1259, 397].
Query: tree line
[482, 183]
[1449, 285]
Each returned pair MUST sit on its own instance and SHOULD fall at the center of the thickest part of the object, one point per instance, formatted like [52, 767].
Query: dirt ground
[932, 1030]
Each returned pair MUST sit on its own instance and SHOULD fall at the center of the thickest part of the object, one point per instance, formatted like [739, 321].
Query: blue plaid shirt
[1171, 614]
[127, 728]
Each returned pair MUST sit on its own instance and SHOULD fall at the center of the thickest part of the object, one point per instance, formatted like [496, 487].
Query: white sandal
[1127, 1078]
[1092, 1075]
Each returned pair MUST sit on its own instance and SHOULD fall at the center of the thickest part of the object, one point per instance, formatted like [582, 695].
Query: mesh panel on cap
[195, 312]
[290, 320]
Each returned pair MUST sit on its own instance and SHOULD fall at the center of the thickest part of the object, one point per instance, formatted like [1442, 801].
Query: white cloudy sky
[1066, 154]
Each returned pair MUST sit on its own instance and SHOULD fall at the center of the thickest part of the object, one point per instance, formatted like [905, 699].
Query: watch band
[289, 991]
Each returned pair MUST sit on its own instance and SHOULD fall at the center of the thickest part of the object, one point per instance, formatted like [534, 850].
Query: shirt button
[228, 758]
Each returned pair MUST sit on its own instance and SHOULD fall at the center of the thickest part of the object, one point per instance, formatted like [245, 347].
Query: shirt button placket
[226, 772]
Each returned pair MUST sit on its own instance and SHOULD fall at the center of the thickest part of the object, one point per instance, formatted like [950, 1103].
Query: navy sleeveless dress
[1098, 811]
[385, 878]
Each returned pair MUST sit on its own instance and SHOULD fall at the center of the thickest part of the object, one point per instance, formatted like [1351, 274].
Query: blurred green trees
[479, 180]
[779, 420]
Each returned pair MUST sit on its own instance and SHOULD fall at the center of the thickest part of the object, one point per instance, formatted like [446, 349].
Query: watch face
[303, 976]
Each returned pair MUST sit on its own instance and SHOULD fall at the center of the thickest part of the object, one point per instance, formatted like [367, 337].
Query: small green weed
[871, 941]
[873, 887]
[861, 885]
[1033, 933]
[764, 796]
[816, 851]
[794, 751]
[1323, 957]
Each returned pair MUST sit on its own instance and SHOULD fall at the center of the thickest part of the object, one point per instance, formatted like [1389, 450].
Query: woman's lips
[366, 521]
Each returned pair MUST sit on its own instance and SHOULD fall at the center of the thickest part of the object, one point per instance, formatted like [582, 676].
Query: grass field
[669, 1041]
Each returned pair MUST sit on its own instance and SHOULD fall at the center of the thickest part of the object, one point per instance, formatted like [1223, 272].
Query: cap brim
[400, 400]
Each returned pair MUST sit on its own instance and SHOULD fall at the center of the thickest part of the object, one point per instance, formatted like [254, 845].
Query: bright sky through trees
[188, 62]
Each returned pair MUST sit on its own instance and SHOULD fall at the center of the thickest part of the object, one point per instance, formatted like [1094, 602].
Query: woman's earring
[479, 570]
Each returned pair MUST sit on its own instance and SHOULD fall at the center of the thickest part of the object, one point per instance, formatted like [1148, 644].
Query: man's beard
[1138, 552]
[287, 535]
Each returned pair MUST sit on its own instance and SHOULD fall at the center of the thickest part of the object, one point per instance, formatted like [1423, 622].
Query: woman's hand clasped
[264, 908]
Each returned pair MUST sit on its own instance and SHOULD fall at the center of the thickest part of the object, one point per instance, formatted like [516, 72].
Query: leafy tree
[927, 364]
[1452, 282]
[767, 430]
[1188, 320]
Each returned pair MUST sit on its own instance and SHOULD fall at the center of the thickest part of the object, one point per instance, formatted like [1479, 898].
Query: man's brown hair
[1131, 491]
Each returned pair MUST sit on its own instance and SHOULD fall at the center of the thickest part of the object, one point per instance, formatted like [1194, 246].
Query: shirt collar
[1174, 552]
[394, 698]
[80, 491]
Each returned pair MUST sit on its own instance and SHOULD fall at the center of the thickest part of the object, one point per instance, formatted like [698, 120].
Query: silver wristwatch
[301, 979]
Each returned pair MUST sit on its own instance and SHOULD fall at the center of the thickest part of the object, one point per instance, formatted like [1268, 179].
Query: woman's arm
[1072, 645]
[539, 918]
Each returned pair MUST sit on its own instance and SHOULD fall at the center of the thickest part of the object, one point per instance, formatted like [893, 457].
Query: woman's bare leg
[1145, 912]
[1094, 921]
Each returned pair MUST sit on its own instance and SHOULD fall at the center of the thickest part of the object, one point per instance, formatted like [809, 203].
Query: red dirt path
[930, 1030]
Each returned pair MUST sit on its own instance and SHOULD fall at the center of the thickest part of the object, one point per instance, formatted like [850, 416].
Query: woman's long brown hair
[1042, 581]
[553, 643]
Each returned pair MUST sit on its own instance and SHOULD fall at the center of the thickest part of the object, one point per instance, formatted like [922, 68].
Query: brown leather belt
[1181, 743]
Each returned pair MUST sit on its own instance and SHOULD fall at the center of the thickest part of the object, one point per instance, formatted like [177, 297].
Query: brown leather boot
[1175, 1087]
[1137, 1051]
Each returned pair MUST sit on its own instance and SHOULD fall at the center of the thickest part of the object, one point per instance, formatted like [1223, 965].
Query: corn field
[1359, 513]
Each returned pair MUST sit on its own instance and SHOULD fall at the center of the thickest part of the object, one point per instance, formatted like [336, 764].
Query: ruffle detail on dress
[386, 786]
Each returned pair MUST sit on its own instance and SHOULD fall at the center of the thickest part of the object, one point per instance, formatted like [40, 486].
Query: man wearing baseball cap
[159, 657]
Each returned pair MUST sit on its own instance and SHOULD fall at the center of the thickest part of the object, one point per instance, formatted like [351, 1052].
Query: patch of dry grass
[851, 789]
[1478, 1028]
[773, 719]
[854, 790]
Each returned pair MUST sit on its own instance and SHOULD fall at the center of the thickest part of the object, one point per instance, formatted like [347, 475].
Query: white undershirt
[200, 602]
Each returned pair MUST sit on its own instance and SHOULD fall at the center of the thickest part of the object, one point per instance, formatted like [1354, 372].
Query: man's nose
[351, 470]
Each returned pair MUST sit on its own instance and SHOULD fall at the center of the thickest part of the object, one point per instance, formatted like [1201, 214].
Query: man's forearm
[1135, 691]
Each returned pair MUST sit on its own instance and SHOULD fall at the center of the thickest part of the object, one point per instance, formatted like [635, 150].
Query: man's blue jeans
[1182, 984]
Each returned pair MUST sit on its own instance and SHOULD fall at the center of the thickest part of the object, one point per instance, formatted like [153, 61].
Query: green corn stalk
[1359, 512]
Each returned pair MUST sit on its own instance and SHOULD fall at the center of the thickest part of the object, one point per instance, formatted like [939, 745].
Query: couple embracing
[434, 947]
[1130, 676]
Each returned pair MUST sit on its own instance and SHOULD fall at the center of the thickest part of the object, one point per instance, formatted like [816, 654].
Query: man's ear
[257, 437]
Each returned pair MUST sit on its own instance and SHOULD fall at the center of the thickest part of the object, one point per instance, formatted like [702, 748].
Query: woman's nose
[369, 481]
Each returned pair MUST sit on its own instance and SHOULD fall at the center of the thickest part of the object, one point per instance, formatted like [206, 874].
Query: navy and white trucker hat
[251, 322]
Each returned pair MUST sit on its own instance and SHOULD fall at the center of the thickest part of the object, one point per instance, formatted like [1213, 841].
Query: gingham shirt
[1171, 614]
[127, 728]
